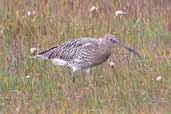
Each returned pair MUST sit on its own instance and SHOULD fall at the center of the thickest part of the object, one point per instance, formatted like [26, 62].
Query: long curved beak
[129, 49]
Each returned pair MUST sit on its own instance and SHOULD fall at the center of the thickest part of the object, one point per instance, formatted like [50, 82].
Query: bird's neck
[104, 45]
[105, 48]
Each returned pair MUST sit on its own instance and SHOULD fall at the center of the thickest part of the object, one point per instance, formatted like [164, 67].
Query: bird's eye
[112, 40]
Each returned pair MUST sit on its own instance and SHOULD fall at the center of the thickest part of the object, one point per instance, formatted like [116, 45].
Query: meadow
[130, 86]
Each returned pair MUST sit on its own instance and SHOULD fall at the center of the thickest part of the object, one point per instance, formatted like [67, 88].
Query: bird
[81, 53]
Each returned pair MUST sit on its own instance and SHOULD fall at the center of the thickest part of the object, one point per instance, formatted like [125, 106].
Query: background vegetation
[29, 86]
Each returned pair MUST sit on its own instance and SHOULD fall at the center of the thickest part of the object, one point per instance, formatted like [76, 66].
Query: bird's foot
[73, 78]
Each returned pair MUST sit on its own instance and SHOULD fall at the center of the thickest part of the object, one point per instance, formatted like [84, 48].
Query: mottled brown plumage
[81, 53]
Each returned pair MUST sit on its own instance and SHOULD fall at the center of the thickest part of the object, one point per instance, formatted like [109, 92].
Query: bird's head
[110, 39]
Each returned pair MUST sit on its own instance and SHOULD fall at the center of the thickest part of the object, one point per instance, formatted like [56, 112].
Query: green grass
[35, 86]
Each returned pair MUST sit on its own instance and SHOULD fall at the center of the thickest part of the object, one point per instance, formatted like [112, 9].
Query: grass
[131, 86]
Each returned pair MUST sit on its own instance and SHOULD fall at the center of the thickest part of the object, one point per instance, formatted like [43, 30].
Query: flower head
[112, 64]
[28, 76]
[33, 50]
[29, 13]
[93, 8]
[119, 12]
[158, 78]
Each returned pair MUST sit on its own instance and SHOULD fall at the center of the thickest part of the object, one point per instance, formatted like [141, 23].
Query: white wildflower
[93, 8]
[28, 76]
[111, 64]
[158, 78]
[33, 50]
[119, 12]
[29, 13]
[18, 108]
[33, 12]
[2, 31]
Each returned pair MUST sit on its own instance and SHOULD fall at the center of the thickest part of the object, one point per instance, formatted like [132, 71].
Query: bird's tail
[34, 52]
[45, 54]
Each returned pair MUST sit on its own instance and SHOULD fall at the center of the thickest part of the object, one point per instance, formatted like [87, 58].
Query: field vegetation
[130, 86]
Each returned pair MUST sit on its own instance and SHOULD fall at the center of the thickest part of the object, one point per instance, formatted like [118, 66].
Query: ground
[131, 85]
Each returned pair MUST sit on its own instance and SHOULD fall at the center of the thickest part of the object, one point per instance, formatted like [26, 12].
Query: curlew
[81, 53]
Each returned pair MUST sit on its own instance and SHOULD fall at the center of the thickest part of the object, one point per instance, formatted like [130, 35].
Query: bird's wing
[68, 50]
[90, 55]
[45, 53]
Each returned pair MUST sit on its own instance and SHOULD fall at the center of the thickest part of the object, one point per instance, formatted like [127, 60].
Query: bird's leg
[87, 72]
[88, 77]
[90, 80]
[74, 69]
[73, 76]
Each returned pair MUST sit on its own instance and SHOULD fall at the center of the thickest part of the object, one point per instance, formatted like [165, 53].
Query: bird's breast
[101, 57]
